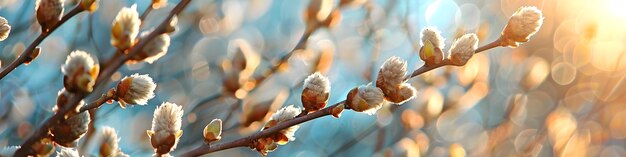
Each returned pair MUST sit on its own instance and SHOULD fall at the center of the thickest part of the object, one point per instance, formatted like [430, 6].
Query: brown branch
[242, 142]
[75, 98]
[247, 141]
[28, 51]
[146, 12]
[110, 95]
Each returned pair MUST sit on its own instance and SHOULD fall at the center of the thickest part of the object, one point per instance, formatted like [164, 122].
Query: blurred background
[560, 94]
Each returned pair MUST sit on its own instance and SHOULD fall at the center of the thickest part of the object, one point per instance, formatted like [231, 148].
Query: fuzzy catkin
[285, 114]
[463, 49]
[125, 28]
[523, 24]
[5, 28]
[135, 89]
[316, 92]
[433, 35]
[166, 127]
[367, 99]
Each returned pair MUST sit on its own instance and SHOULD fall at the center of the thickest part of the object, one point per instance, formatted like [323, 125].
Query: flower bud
[156, 4]
[62, 98]
[49, 12]
[166, 126]
[269, 144]
[367, 99]
[135, 89]
[5, 28]
[432, 44]
[337, 110]
[391, 81]
[282, 115]
[172, 25]
[316, 92]
[67, 152]
[153, 50]
[264, 145]
[32, 55]
[401, 94]
[67, 131]
[319, 11]
[525, 22]
[89, 5]
[109, 144]
[463, 49]
[391, 73]
[80, 72]
[125, 28]
[213, 131]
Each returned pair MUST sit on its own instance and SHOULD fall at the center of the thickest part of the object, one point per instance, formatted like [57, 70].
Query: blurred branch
[28, 51]
[74, 99]
[146, 12]
[356, 139]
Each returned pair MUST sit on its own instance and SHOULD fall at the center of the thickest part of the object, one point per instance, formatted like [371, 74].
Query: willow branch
[247, 141]
[425, 68]
[110, 95]
[28, 51]
[75, 98]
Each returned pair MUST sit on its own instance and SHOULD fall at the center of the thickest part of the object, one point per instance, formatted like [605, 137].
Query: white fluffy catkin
[136, 89]
[75, 61]
[392, 71]
[318, 83]
[367, 99]
[110, 141]
[285, 114]
[156, 47]
[125, 27]
[5, 28]
[167, 121]
[524, 23]
[433, 35]
[463, 49]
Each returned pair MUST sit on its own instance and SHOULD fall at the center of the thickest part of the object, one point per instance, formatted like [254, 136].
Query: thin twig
[145, 13]
[103, 99]
[425, 68]
[246, 141]
[28, 51]
[356, 139]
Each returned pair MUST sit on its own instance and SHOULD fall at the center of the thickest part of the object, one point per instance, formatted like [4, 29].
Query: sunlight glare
[616, 7]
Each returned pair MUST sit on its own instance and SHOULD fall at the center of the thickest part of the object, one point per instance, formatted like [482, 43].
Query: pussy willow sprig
[463, 48]
[247, 141]
[26, 56]
[75, 98]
